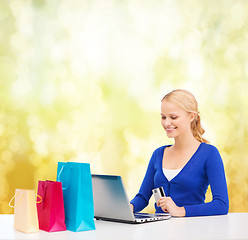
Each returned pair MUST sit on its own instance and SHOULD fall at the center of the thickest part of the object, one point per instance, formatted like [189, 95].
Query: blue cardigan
[189, 187]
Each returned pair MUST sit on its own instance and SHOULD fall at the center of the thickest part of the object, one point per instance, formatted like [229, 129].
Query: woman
[186, 168]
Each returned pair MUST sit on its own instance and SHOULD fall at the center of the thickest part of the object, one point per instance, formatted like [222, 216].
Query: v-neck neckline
[182, 169]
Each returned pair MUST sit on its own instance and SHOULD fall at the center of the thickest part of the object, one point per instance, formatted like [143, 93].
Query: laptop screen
[110, 198]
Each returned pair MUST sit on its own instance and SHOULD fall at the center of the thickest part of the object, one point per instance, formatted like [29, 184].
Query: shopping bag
[25, 211]
[78, 196]
[51, 214]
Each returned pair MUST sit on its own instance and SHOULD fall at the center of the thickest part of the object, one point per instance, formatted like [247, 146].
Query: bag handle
[60, 175]
[12, 206]
[38, 197]
[43, 186]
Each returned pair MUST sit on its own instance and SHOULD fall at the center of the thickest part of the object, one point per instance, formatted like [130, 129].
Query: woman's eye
[173, 117]
[163, 118]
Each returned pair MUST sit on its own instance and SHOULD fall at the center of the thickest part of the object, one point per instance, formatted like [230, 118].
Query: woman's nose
[167, 122]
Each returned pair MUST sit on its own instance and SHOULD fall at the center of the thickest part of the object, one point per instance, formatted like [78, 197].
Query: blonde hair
[186, 101]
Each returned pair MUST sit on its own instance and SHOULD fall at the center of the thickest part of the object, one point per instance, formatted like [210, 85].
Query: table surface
[231, 226]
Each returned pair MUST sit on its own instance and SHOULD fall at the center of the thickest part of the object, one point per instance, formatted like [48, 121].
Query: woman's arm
[216, 175]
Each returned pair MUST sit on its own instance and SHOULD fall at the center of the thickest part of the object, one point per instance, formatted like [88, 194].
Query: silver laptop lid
[110, 198]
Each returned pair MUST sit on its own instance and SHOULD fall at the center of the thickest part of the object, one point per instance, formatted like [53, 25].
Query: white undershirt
[171, 173]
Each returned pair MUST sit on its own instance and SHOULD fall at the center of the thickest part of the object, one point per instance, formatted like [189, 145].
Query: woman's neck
[185, 143]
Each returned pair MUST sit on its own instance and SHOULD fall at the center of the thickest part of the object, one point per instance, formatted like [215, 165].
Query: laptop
[111, 202]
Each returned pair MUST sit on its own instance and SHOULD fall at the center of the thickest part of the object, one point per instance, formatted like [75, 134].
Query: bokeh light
[82, 81]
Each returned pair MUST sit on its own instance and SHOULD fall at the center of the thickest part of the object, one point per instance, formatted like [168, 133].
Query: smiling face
[175, 120]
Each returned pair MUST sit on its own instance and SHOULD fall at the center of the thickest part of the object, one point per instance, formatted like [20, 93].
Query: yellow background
[82, 81]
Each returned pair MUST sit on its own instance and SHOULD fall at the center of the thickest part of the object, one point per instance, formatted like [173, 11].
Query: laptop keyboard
[148, 215]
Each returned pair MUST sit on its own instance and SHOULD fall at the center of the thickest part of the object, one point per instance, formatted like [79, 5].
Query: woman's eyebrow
[168, 114]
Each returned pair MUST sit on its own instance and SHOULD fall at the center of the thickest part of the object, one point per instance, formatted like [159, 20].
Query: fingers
[159, 201]
[164, 203]
[132, 207]
[163, 200]
[168, 205]
[164, 206]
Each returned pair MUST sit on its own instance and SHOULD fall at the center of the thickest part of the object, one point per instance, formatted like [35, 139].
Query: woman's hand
[168, 205]
[132, 206]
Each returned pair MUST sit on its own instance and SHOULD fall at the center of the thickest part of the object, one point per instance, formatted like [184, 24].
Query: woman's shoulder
[210, 151]
[208, 147]
[160, 150]
[157, 155]
[212, 156]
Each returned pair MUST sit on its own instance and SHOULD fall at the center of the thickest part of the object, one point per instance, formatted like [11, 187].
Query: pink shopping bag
[51, 212]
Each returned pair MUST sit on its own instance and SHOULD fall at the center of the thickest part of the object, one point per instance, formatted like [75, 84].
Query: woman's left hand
[168, 205]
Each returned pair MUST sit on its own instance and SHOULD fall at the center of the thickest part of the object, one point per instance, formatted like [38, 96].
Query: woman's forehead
[170, 108]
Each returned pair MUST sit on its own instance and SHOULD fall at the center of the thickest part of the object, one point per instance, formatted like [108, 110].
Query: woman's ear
[191, 117]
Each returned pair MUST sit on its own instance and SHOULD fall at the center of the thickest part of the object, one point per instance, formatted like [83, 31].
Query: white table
[231, 226]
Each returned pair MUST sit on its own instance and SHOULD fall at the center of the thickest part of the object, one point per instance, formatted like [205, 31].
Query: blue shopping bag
[78, 195]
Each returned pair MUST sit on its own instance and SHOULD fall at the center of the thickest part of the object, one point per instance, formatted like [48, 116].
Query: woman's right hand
[132, 206]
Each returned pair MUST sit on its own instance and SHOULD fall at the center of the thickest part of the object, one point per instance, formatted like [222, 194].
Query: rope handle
[38, 197]
[60, 175]
[12, 206]
[13, 199]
